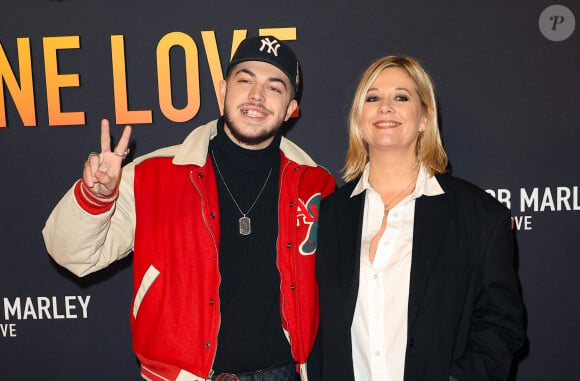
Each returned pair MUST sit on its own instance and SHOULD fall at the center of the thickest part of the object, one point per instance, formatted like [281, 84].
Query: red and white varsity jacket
[167, 213]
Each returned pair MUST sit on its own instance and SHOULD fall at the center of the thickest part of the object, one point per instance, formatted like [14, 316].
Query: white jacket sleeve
[83, 242]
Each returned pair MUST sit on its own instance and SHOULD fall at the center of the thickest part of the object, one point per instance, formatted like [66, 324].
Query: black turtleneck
[250, 336]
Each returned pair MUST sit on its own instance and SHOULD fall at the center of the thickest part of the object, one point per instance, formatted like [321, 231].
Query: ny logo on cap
[272, 46]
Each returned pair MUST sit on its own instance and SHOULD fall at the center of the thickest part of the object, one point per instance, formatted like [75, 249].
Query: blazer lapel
[431, 222]
[350, 237]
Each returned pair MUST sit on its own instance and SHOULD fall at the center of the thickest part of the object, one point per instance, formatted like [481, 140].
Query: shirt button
[396, 215]
[377, 353]
[375, 276]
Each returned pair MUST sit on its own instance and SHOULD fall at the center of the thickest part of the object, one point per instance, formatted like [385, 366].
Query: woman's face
[392, 116]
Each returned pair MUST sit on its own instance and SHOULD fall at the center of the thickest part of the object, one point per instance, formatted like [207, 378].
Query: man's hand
[102, 171]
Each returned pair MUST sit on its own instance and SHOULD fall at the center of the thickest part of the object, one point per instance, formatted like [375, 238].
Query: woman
[415, 267]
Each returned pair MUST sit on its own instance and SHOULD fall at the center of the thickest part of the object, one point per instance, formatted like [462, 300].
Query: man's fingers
[97, 181]
[94, 161]
[102, 170]
[88, 177]
[92, 166]
[105, 181]
[122, 148]
[89, 170]
[105, 137]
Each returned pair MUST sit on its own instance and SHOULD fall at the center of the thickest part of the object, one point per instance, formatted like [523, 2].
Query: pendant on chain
[245, 225]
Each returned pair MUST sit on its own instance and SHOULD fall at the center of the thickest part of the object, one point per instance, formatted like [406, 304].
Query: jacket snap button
[211, 301]
[212, 215]
[292, 287]
[200, 175]
[207, 345]
[289, 245]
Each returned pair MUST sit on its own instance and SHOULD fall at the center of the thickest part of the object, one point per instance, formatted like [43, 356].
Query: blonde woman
[415, 267]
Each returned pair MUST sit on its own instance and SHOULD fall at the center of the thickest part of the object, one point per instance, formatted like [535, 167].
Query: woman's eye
[402, 98]
[371, 99]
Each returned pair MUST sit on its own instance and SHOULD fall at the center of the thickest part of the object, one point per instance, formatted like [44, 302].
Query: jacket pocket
[148, 278]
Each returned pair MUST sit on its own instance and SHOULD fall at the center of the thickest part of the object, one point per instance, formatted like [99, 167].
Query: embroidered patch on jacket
[307, 216]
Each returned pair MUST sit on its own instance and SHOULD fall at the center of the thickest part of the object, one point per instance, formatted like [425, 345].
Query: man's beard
[249, 140]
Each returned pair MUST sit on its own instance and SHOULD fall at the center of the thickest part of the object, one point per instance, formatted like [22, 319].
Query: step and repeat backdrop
[508, 85]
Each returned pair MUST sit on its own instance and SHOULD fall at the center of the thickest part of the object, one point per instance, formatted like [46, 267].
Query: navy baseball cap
[269, 49]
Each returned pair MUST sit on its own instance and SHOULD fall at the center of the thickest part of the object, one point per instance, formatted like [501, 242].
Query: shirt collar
[426, 185]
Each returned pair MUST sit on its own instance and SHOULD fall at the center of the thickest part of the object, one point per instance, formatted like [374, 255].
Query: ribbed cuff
[90, 203]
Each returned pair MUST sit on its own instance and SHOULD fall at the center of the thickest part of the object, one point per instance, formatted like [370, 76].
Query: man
[216, 272]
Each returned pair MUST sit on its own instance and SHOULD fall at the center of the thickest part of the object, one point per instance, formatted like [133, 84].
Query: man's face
[257, 98]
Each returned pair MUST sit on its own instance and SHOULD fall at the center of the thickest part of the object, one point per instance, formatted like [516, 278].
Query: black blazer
[465, 309]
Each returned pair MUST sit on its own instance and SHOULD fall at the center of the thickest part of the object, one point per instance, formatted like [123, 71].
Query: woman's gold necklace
[388, 204]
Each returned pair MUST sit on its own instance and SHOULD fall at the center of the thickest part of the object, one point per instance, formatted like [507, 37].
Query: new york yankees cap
[271, 50]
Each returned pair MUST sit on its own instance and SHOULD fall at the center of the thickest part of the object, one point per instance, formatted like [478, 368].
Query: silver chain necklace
[244, 221]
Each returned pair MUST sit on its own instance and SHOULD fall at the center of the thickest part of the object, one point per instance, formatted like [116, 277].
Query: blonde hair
[430, 152]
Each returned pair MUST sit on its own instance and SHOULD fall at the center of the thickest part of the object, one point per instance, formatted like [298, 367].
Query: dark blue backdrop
[508, 97]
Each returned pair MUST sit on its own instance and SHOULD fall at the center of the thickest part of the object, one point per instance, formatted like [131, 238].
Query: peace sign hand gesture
[102, 171]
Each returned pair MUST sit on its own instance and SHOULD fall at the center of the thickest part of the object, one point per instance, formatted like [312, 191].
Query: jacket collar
[194, 148]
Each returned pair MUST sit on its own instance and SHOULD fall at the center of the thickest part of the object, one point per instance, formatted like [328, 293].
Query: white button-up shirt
[379, 327]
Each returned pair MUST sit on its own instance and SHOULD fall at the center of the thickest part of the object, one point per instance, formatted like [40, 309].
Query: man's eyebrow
[248, 72]
[253, 75]
[276, 79]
